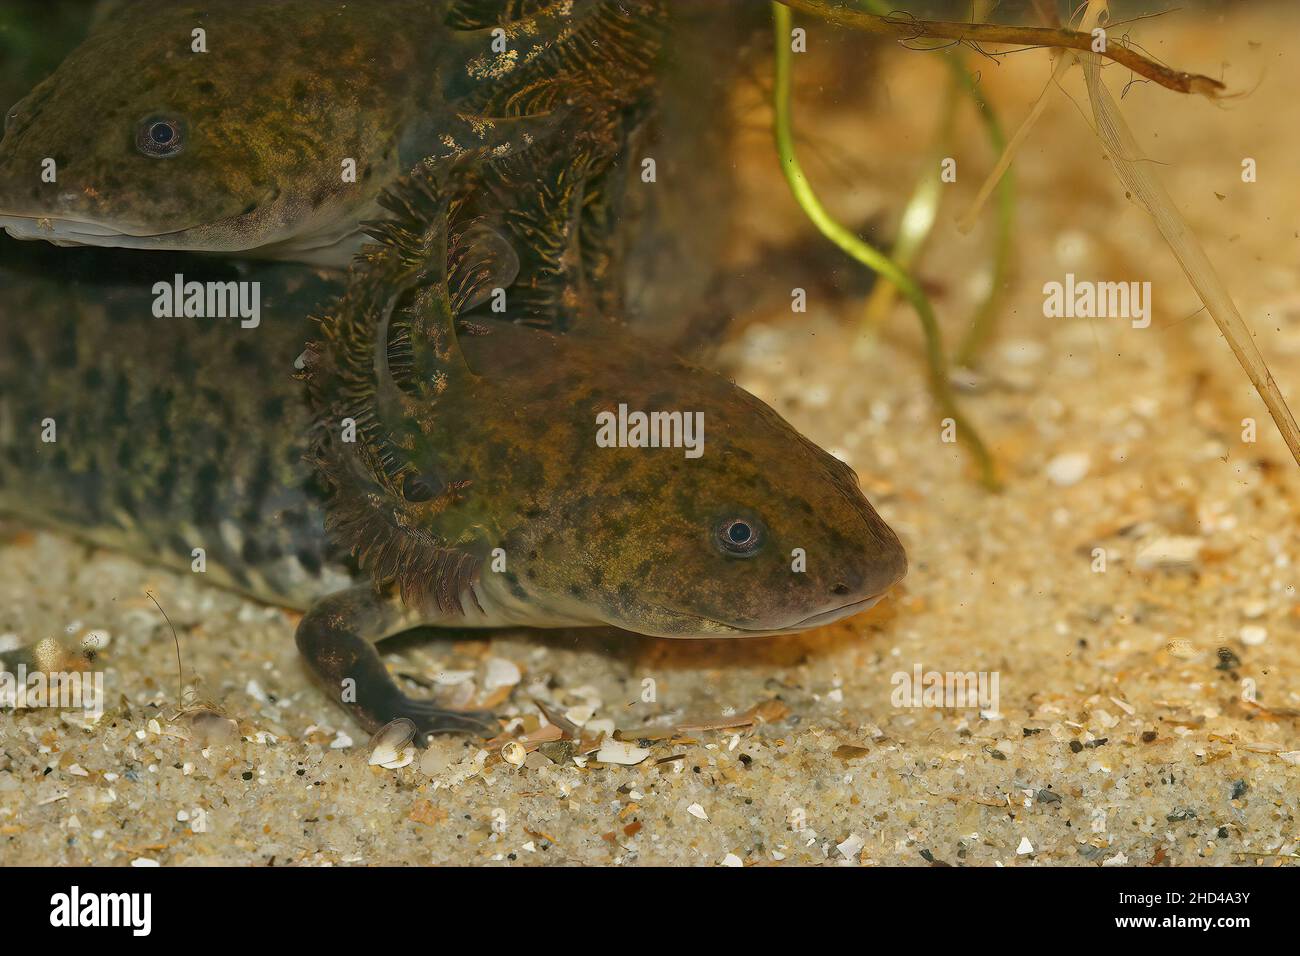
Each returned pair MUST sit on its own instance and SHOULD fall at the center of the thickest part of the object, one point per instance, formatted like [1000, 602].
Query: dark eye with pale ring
[160, 137]
[416, 488]
[739, 536]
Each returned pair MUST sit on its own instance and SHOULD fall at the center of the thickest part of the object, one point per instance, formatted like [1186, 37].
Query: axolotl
[269, 128]
[425, 461]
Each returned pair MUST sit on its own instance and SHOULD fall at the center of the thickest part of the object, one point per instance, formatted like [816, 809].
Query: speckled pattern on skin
[154, 399]
[286, 91]
[466, 446]
[998, 582]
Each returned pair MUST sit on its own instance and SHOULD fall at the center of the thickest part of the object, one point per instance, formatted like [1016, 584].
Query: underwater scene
[828, 433]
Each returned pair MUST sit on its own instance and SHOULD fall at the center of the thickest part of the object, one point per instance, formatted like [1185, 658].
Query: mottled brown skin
[474, 435]
[476, 445]
[287, 91]
[171, 434]
[630, 534]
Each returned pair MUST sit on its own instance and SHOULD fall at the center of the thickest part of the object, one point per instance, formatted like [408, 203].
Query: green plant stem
[984, 322]
[918, 218]
[872, 258]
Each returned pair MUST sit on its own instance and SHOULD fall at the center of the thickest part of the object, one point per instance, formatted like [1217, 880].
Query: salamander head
[582, 478]
[741, 527]
[139, 140]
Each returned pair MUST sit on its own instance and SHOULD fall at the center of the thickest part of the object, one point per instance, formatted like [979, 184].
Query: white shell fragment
[580, 714]
[501, 673]
[621, 752]
[514, 754]
[389, 745]
[405, 757]
[851, 847]
[1025, 847]
[1176, 551]
[696, 810]
[1068, 469]
[1253, 635]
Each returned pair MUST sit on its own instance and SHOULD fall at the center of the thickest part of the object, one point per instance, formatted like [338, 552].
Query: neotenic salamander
[474, 494]
[269, 128]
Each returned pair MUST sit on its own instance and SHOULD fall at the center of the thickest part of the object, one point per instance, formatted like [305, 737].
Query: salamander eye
[739, 536]
[160, 137]
[416, 488]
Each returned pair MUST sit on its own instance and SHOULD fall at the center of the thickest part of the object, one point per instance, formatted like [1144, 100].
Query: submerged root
[909, 28]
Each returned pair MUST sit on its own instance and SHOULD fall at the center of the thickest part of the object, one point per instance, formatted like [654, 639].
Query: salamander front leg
[337, 637]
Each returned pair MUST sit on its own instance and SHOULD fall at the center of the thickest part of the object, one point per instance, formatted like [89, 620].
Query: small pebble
[1253, 635]
[1068, 469]
[1176, 551]
[501, 673]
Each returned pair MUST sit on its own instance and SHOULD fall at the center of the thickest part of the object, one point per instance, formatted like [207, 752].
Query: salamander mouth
[82, 232]
[820, 619]
[704, 627]
[42, 227]
[835, 614]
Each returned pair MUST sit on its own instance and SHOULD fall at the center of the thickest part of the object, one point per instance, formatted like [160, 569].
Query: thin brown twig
[180, 671]
[909, 28]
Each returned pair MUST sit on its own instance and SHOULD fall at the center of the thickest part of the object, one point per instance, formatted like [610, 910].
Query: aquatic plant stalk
[872, 258]
[984, 320]
[1089, 19]
[918, 218]
[1135, 172]
[966, 221]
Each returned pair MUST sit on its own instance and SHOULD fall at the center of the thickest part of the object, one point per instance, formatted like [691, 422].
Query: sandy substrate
[1125, 731]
